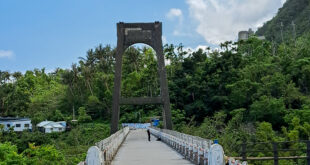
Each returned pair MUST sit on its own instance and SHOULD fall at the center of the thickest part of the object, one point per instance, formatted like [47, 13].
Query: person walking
[149, 134]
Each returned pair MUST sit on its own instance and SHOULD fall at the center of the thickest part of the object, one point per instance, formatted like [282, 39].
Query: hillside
[297, 11]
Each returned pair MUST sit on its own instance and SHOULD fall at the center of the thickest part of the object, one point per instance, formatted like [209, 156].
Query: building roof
[61, 122]
[14, 119]
[43, 123]
[50, 124]
[56, 125]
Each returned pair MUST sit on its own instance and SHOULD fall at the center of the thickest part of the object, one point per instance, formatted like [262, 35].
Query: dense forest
[245, 92]
[291, 21]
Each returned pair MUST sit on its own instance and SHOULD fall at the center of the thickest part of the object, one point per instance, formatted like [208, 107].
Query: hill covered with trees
[293, 11]
[242, 93]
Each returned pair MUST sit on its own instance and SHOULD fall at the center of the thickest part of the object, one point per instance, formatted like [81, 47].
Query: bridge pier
[150, 34]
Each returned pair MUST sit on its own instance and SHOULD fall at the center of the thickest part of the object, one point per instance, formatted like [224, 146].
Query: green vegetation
[243, 93]
[249, 91]
[297, 11]
[62, 148]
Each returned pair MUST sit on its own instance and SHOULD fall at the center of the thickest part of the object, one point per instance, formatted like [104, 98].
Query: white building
[16, 123]
[51, 126]
[245, 35]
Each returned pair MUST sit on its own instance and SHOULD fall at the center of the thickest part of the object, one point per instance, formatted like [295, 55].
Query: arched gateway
[127, 35]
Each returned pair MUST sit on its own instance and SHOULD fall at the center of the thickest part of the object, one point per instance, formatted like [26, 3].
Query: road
[137, 150]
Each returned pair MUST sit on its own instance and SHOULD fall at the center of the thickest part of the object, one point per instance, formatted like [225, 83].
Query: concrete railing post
[199, 151]
[107, 148]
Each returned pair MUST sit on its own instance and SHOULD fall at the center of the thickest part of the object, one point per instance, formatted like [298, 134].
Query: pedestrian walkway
[137, 150]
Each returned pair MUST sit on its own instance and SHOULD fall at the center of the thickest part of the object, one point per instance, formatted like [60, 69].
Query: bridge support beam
[127, 35]
[141, 101]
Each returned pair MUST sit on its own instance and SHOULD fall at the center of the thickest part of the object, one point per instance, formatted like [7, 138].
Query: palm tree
[87, 74]
[6, 76]
[17, 75]
[75, 72]
[67, 78]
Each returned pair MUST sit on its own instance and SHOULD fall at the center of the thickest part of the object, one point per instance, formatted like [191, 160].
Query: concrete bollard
[94, 156]
[216, 155]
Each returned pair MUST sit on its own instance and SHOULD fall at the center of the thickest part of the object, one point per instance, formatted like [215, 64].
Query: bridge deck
[136, 150]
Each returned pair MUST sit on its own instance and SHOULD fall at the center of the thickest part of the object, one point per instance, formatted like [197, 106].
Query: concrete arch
[149, 34]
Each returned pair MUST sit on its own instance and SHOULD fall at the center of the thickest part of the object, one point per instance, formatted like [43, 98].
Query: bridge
[130, 146]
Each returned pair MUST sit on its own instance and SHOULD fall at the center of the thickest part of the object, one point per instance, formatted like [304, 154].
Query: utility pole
[139, 117]
[282, 32]
[294, 32]
[73, 114]
[73, 117]
[273, 48]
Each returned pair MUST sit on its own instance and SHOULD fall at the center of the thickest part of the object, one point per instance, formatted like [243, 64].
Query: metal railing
[198, 150]
[286, 150]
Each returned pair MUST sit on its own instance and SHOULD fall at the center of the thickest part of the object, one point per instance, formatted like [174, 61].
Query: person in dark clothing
[149, 134]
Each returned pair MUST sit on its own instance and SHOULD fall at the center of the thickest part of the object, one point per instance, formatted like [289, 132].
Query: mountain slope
[297, 11]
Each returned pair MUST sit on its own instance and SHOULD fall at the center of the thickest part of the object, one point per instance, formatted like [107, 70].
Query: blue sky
[54, 33]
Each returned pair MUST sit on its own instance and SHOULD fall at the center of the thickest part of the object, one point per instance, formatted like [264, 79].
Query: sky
[55, 33]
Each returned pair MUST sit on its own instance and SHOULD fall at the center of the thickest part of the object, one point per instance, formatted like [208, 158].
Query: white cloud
[6, 54]
[204, 48]
[164, 39]
[174, 13]
[221, 20]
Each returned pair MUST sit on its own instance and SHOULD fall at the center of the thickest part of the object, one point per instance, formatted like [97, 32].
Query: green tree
[9, 155]
[268, 109]
[83, 116]
[57, 116]
[43, 155]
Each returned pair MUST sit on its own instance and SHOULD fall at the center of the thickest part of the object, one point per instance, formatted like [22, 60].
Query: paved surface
[136, 150]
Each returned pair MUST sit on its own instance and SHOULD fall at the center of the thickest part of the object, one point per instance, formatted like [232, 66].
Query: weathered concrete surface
[136, 150]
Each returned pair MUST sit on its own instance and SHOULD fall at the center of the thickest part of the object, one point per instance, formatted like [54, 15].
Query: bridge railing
[104, 151]
[298, 151]
[198, 150]
[110, 145]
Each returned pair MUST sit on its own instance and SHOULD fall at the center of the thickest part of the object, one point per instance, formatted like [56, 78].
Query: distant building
[245, 35]
[51, 126]
[16, 123]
